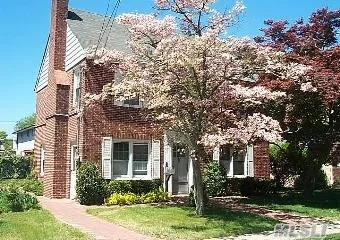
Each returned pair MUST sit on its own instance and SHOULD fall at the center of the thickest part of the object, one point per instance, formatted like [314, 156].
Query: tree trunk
[198, 187]
[308, 183]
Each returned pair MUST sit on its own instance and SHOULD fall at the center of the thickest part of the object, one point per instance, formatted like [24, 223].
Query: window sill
[237, 176]
[131, 178]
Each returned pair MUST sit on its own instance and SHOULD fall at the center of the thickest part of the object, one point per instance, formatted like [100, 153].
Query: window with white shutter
[156, 159]
[250, 158]
[128, 159]
[107, 158]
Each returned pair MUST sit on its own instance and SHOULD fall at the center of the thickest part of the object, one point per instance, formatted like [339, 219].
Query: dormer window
[76, 87]
[132, 101]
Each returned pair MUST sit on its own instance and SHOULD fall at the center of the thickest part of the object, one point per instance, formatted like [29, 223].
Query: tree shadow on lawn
[325, 199]
[227, 222]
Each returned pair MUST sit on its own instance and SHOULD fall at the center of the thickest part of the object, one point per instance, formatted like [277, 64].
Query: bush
[91, 187]
[12, 166]
[133, 186]
[28, 185]
[233, 186]
[132, 198]
[256, 187]
[215, 179]
[320, 181]
[17, 200]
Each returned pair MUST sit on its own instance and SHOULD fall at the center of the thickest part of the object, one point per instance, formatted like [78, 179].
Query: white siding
[74, 54]
[43, 72]
[74, 51]
[24, 141]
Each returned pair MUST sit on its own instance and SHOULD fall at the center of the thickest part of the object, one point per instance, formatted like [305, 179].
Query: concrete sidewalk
[74, 214]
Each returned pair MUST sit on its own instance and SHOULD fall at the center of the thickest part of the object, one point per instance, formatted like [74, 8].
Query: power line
[101, 34]
[113, 19]
[109, 23]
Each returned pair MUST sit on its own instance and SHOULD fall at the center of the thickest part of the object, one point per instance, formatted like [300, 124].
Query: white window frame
[230, 173]
[74, 157]
[130, 175]
[42, 161]
[76, 86]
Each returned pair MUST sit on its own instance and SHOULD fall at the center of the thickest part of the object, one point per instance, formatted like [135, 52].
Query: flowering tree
[310, 118]
[195, 82]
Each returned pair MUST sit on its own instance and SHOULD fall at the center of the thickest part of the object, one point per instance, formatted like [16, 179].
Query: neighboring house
[23, 142]
[112, 134]
[332, 171]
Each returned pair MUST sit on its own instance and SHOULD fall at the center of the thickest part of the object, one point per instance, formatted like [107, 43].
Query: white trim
[42, 161]
[130, 175]
[230, 173]
[76, 86]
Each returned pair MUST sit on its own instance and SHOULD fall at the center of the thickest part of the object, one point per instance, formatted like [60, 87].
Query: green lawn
[329, 237]
[35, 225]
[175, 222]
[325, 204]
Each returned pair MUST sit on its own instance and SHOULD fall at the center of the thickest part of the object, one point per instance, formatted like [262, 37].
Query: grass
[175, 222]
[29, 185]
[325, 204]
[329, 237]
[36, 225]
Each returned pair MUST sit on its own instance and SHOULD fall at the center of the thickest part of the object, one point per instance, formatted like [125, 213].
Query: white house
[23, 141]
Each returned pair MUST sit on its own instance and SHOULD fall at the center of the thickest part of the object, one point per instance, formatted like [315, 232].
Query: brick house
[112, 134]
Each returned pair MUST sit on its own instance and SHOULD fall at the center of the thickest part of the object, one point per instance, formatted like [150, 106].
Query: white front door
[73, 180]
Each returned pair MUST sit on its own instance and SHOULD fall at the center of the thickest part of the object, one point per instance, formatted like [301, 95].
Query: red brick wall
[336, 174]
[261, 160]
[108, 120]
[58, 34]
[51, 109]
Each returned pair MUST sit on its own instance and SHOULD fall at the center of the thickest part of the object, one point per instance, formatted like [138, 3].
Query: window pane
[140, 159]
[132, 101]
[239, 160]
[120, 158]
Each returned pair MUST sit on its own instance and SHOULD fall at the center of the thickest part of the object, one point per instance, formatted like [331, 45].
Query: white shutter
[107, 158]
[156, 159]
[216, 153]
[250, 160]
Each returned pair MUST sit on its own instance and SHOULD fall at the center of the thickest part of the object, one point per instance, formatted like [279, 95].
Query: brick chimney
[58, 34]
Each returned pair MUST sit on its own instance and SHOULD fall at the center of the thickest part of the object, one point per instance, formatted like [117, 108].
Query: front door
[180, 162]
[73, 180]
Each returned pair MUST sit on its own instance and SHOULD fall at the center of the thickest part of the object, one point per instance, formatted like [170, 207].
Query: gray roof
[87, 26]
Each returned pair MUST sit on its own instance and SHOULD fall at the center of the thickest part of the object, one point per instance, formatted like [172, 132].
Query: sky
[25, 27]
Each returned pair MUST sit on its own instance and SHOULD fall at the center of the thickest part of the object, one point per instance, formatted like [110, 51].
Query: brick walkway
[285, 218]
[74, 214]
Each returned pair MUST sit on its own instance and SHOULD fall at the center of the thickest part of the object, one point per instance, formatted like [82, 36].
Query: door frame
[73, 171]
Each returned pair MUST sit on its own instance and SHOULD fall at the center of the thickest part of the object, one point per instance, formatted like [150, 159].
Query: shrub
[17, 200]
[215, 179]
[132, 198]
[256, 187]
[133, 186]
[233, 186]
[119, 186]
[320, 181]
[91, 187]
[28, 185]
[12, 166]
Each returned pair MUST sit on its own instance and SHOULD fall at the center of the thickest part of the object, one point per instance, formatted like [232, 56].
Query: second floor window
[76, 87]
[132, 101]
